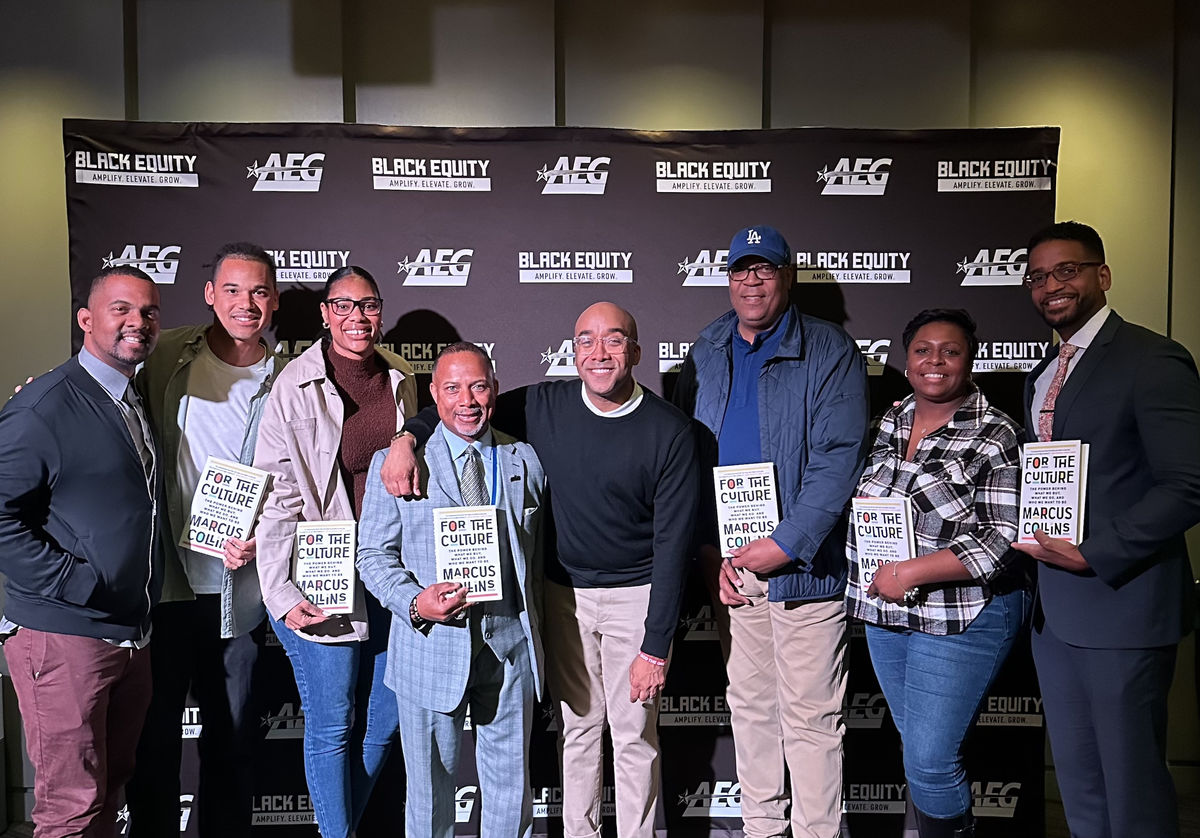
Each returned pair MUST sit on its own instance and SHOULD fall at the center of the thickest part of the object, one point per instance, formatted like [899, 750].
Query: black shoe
[962, 826]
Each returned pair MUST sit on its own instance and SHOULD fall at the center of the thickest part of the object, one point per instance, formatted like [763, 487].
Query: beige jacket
[298, 442]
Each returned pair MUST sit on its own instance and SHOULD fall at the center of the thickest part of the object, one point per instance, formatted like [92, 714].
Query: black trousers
[186, 651]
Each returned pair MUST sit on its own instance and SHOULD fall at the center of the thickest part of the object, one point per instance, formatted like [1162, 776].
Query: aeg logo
[562, 362]
[865, 710]
[707, 268]
[444, 266]
[700, 626]
[865, 176]
[875, 353]
[288, 723]
[1002, 266]
[464, 803]
[720, 799]
[995, 799]
[290, 173]
[578, 176]
[159, 261]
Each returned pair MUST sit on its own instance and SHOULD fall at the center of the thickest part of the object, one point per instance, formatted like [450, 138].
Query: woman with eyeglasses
[940, 623]
[331, 409]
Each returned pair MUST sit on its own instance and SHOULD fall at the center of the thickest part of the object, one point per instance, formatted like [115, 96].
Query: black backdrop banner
[501, 237]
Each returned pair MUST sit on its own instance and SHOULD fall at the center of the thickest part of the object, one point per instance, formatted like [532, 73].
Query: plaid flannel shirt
[963, 481]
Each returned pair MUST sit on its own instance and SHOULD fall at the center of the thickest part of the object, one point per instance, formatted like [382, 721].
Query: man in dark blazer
[1112, 610]
[80, 552]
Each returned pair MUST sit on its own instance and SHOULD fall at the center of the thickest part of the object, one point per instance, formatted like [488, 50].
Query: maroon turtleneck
[370, 418]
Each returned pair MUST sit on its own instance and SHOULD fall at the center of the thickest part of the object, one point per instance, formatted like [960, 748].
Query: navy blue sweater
[78, 525]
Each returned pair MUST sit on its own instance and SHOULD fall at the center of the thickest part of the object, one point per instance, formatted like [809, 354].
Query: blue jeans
[934, 685]
[350, 718]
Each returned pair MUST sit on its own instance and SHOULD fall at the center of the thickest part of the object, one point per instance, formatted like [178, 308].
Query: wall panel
[480, 63]
[663, 64]
[875, 64]
[233, 61]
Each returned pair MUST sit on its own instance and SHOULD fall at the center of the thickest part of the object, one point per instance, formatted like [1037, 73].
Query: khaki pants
[592, 636]
[787, 679]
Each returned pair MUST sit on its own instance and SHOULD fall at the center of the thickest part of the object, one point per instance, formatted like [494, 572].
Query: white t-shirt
[218, 404]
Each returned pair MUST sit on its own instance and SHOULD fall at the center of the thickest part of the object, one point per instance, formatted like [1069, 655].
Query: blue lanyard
[495, 483]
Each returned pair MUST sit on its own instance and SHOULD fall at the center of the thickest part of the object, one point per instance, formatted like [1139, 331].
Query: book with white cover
[225, 505]
[883, 532]
[323, 564]
[467, 550]
[1053, 490]
[747, 503]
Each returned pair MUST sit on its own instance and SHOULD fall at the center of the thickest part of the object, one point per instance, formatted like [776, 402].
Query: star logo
[406, 266]
[252, 171]
[544, 173]
[109, 260]
[963, 265]
[684, 267]
[824, 175]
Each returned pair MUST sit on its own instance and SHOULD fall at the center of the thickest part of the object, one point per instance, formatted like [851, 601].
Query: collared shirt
[116, 385]
[963, 481]
[487, 451]
[111, 379]
[631, 404]
[1081, 339]
[739, 442]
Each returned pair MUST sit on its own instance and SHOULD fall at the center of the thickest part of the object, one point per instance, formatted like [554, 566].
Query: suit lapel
[512, 488]
[441, 467]
[1092, 360]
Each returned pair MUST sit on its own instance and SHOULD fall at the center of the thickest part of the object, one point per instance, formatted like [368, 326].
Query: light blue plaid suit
[433, 672]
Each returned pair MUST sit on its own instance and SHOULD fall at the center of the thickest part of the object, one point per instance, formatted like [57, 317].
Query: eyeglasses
[344, 305]
[613, 343]
[1063, 272]
[763, 270]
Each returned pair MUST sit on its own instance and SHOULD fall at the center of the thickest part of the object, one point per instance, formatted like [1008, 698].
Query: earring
[324, 326]
[906, 372]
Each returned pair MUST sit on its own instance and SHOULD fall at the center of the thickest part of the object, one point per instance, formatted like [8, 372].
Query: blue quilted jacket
[812, 409]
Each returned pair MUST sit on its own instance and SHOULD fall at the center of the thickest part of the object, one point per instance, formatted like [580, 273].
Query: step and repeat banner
[501, 237]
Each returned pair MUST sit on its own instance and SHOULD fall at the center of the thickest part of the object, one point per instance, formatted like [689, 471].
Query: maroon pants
[82, 704]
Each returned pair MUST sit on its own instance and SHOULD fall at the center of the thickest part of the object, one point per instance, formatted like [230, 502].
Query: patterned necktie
[1046, 417]
[474, 490]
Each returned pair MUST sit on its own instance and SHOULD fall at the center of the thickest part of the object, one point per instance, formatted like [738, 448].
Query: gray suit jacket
[396, 562]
